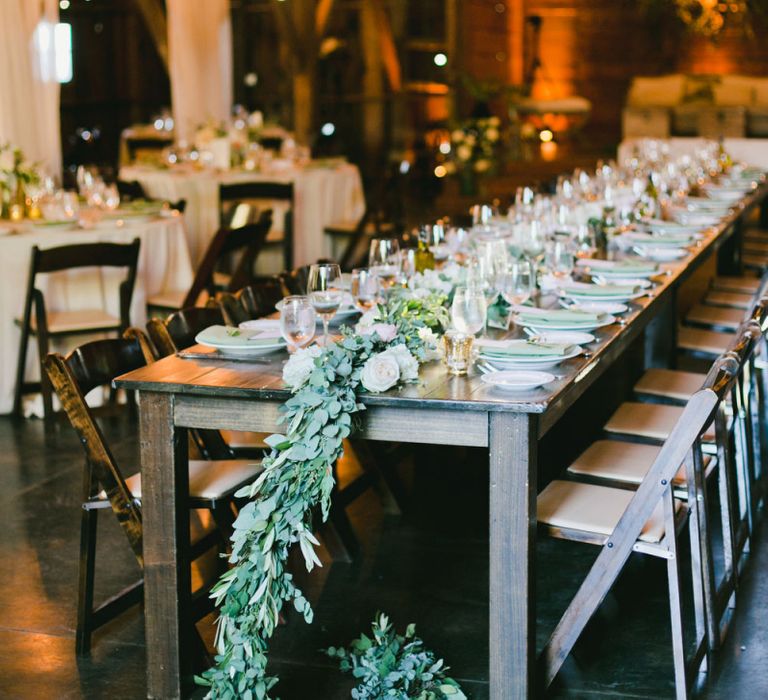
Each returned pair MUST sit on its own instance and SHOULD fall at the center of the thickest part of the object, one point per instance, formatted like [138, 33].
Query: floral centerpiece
[15, 173]
[382, 352]
[473, 151]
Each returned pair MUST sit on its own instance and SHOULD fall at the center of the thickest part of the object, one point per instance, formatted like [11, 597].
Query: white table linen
[164, 263]
[322, 196]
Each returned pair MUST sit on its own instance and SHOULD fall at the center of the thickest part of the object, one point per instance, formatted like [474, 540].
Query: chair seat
[715, 316]
[759, 260]
[742, 285]
[209, 480]
[75, 321]
[669, 383]
[700, 340]
[627, 462]
[649, 420]
[732, 300]
[240, 440]
[592, 509]
[756, 246]
[169, 299]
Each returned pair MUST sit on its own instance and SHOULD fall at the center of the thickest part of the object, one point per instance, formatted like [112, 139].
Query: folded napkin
[675, 239]
[522, 348]
[228, 335]
[526, 314]
[262, 328]
[601, 290]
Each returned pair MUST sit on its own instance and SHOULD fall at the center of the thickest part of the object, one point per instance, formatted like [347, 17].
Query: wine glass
[517, 283]
[468, 310]
[325, 293]
[297, 321]
[365, 289]
[558, 257]
[384, 260]
[586, 242]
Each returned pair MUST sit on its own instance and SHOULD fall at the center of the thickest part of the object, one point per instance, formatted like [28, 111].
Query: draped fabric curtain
[29, 92]
[200, 63]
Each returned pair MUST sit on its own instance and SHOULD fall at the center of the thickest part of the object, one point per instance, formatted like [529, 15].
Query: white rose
[429, 338]
[406, 362]
[380, 372]
[464, 152]
[300, 366]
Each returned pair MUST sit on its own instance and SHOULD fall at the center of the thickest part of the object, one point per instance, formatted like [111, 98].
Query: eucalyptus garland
[384, 350]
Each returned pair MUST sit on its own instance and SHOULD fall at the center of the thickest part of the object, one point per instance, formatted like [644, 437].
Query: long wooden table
[177, 394]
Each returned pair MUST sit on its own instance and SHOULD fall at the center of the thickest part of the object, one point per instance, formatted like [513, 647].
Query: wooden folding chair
[254, 301]
[647, 521]
[212, 485]
[247, 242]
[233, 194]
[46, 325]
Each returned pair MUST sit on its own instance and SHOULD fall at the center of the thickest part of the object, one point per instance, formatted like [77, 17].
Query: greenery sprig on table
[395, 666]
[384, 350]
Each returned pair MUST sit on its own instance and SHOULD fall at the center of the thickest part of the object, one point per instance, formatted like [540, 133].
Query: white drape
[200, 62]
[29, 93]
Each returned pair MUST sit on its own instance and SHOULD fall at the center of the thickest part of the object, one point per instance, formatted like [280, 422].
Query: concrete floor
[428, 566]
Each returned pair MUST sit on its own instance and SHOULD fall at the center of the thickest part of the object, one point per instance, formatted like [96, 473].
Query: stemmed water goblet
[468, 310]
[365, 289]
[325, 293]
[518, 281]
[297, 321]
[384, 260]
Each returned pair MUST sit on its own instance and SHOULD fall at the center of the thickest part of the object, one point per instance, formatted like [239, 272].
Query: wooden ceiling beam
[153, 14]
[389, 55]
[322, 17]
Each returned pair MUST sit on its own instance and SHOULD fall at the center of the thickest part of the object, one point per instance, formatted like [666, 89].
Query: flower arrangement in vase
[473, 151]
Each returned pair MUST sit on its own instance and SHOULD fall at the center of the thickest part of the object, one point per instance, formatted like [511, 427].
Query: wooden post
[512, 441]
[373, 82]
[165, 477]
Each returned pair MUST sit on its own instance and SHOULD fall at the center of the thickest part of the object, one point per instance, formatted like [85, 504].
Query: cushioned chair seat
[592, 509]
[669, 383]
[753, 246]
[732, 300]
[759, 260]
[700, 340]
[82, 320]
[627, 462]
[169, 299]
[716, 316]
[742, 285]
[648, 420]
[209, 480]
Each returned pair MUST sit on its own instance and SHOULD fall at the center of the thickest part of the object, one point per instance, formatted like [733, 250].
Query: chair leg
[224, 517]
[20, 367]
[88, 523]
[675, 600]
[45, 384]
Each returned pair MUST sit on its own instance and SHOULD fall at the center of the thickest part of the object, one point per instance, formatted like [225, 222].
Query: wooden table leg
[165, 485]
[512, 444]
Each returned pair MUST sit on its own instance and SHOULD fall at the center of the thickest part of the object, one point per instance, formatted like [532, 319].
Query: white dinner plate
[584, 299]
[529, 362]
[661, 254]
[542, 325]
[567, 337]
[517, 380]
[233, 341]
[607, 307]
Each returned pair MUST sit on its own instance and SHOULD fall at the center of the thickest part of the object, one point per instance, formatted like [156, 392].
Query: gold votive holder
[16, 212]
[457, 351]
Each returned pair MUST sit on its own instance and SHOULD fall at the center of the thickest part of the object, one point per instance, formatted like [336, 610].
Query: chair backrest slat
[94, 362]
[178, 331]
[66, 257]
[248, 240]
